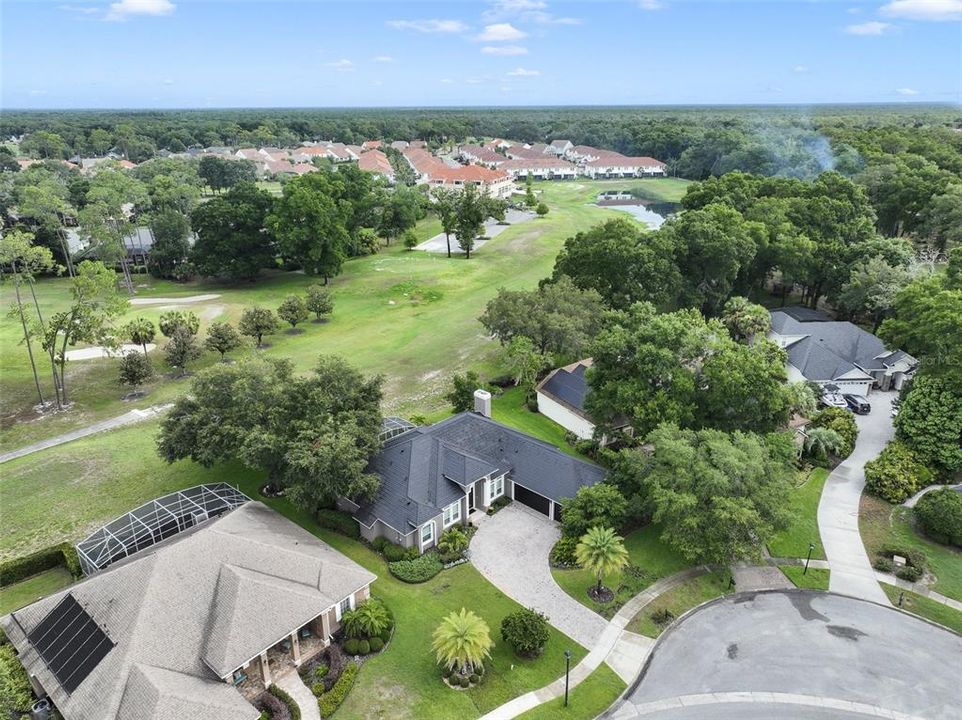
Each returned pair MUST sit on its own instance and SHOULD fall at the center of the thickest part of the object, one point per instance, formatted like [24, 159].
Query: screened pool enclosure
[155, 521]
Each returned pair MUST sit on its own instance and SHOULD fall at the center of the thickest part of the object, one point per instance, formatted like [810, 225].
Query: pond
[650, 212]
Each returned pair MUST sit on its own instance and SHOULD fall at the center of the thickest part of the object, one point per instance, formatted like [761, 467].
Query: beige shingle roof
[166, 607]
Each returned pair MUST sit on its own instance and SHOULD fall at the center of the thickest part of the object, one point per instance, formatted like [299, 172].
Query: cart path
[128, 418]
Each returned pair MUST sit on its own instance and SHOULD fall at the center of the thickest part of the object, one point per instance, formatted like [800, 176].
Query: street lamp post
[567, 671]
[811, 547]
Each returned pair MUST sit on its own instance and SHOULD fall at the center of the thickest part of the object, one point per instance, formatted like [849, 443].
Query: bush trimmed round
[419, 570]
[352, 646]
[464, 681]
[939, 514]
[375, 644]
[446, 672]
[474, 679]
[363, 647]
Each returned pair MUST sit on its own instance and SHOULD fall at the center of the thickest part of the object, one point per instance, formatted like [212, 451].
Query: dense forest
[696, 142]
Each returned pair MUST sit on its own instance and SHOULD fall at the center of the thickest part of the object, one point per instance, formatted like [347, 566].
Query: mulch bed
[600, 596]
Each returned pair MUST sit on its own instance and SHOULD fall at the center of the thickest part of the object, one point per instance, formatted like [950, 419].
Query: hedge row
[330, 701]
[338, 521]
[63, 555]
[292, 706]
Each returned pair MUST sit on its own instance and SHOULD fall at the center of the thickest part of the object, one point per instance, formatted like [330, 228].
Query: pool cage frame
[391, 427]
[154, 522]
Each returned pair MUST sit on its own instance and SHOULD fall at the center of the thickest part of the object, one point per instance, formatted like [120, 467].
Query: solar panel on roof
[70, 642]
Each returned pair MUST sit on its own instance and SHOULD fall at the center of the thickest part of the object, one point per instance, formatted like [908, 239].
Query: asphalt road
[799, 654]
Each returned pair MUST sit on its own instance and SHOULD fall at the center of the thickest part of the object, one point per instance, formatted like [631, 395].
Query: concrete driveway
[852, 572]
[798, 654]
[511, 550]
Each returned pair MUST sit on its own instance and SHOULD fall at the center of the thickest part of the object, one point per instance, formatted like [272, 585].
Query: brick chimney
[482, 402]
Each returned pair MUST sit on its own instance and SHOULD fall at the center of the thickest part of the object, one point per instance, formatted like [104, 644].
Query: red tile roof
[377, 162]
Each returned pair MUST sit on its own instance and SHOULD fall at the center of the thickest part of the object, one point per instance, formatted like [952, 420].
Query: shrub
[352, 646]
[339, 521]
[912, 574]
[600, 504]
[842, 422]
[17, 569]
[896, 474]
[474, 679]
[446, 672]
[376, 644]
[336, 661]
[363, 647]
[563, 552]
[915, 558]
[369, 619]
[526, 631]
[385, 636]
[318, 689]
[883, 564]
[662, 617]
[16, 694]
[330, 701]
[501, 502]
[419, 570]
[273, 706]
[464, 681]
[264, 716]
[393, 553]
[321, 671]
[292, 707]
[453, 543]
[939, 514]
[380, 543]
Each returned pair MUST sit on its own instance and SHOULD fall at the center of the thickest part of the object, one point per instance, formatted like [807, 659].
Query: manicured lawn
[510, 409]
[924, 607]
[404, 680]
[814, 579]
[882, 524]
[794, 540]
[33, 588]
[647, 552]
[588, 700]
[679, 600]
[409, 315]
[63, 493]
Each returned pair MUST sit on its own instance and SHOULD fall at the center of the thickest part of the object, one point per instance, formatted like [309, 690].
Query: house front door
[471, 507]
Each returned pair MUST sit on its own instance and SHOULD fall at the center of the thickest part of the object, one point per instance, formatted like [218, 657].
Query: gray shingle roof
[828, 349]
[157, 694]
[414, 468]
[200, 605]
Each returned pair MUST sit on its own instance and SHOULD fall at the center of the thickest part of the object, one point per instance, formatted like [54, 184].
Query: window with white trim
[427, 533]
[497, 487]
[451, 514]
[344, 606]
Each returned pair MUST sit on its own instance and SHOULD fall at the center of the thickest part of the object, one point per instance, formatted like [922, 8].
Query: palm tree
[462, 641]
[601, 552]
[745, 319]
[821, 441]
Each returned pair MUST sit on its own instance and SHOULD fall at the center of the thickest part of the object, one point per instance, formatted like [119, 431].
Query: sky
[320, 53]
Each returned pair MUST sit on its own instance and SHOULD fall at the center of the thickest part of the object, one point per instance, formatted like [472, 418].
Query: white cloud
[504, 50]
[447, 81]
[37, 93]
[908, 92]
[429, 26]
[523, 72]
[531, 11]
[872, 27]
[168, 81]
[341, 65]
[383, 59]
[81, 9]
[120, 11]
[800, 69]
[501, 32]
[854, 10]
[934, 10]
[650, 4]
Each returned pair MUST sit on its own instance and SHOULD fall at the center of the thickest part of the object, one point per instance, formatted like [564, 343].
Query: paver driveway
[511, 550]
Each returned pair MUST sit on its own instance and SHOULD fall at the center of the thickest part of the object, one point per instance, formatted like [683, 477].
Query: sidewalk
[129, 418]
[625, 652]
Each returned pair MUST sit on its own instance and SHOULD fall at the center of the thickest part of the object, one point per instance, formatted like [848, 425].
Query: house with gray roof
[190, 626]
[434, 477]
[561, 397]
[834, 352]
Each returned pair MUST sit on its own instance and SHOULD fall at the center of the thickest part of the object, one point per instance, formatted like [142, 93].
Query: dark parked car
[858, 404]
